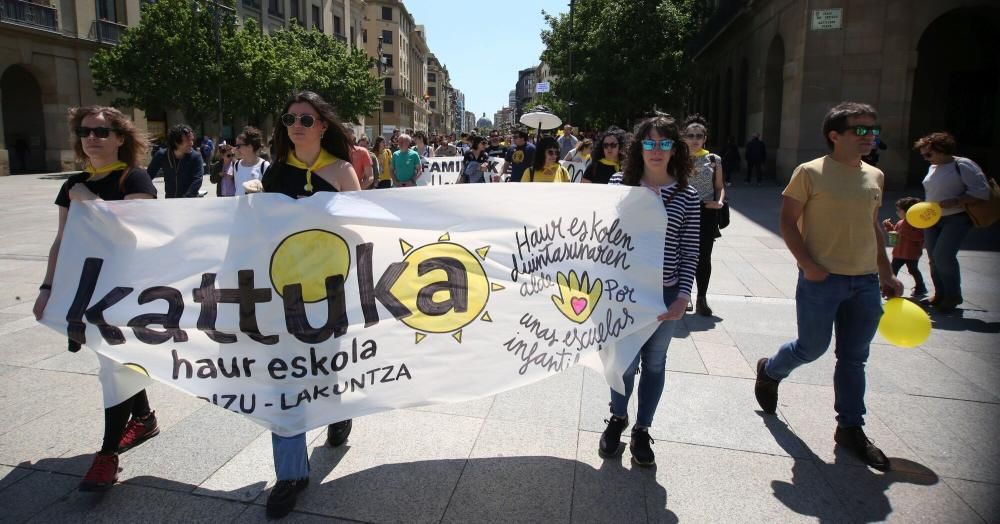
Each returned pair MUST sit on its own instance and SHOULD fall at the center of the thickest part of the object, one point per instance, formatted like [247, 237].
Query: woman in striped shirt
[661, 162]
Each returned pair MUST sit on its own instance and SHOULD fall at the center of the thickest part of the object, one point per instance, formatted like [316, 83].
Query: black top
[181, 176]
[498, 151]
[111, 187]
[599, 173]
[291, 181]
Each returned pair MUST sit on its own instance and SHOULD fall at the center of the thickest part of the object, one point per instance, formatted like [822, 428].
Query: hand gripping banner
[300, 313]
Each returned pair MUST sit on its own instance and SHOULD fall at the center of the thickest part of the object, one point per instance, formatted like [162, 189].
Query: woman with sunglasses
[108, 143]
[658, 161]
[223, 171]
[546, 166]
[311, 150]
[708, 179]
[952, 181]
[607, 157]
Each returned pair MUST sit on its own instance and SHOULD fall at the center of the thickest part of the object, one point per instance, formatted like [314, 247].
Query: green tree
[168, 60]
[628, 57]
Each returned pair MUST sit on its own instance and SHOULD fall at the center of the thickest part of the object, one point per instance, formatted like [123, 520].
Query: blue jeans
[943, 240]
[653, 356]
[851, 305]
[291, 461]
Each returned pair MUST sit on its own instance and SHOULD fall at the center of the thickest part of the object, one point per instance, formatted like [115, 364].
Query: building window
[338, 28]
[388, 59]
[386, 13]
[388, 85]
[317, 19]
[276, 8]
[388, 106]
[432, 91]
[364, 36]
[293, 11]
[431, 77]
[386, 37]
[434, 104]
[252, 3]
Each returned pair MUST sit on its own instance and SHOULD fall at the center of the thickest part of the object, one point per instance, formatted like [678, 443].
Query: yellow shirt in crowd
[837, 221]
[552, 173]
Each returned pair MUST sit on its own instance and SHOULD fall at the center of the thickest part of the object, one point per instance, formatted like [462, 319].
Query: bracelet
[45, 287]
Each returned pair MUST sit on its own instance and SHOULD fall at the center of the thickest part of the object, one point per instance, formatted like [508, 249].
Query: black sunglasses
[552, 151]
[289, 120]
[99, 132]
[610, 145]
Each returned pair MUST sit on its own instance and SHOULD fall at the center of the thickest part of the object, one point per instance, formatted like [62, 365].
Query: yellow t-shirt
[837, 220]
[553, 173]
[386, 161]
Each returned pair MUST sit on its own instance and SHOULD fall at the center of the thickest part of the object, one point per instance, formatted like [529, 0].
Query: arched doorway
[956, 86]
[23, 120]
[774, 86]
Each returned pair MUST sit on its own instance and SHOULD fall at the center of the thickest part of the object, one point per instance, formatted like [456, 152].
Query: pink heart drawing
[578, 305]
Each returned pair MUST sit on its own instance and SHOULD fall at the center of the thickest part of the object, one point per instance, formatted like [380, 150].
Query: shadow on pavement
[502, 489]
[956, 321]
[864, 488]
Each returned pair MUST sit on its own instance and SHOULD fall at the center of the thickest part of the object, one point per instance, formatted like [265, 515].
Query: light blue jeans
[653, 357]
[291, 459]
[851, 305]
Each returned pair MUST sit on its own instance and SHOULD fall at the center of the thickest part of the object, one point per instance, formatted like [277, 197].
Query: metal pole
[569, 116]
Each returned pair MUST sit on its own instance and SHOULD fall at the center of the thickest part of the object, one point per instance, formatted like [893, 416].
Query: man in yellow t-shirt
[829, 220]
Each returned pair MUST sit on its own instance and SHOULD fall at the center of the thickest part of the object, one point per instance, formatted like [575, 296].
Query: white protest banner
[575, 169]
[440, 170]
[300, 313]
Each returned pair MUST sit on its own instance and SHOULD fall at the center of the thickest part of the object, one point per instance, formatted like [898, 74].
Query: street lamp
[216, 4]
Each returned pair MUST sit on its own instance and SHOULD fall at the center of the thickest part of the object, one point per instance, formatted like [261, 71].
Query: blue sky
[485, 44]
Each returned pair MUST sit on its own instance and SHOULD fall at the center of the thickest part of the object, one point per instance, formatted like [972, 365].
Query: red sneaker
[138, 431]
[102, 475]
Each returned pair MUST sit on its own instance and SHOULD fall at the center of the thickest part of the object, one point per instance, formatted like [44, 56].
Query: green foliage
[628, 57]
[169, 62]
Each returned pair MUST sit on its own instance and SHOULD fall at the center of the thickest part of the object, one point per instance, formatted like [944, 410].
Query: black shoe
[337, 433]
[702, 307]
[642, 453]
[611, 440]
[765, 389]
[919, 291]
[283, 495]
[946, 305]
[854, 439]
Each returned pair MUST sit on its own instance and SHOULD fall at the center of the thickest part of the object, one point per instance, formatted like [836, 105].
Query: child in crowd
[907, 245]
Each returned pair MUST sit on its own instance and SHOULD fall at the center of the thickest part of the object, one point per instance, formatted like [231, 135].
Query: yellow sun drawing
[308, 258]
[445, 286]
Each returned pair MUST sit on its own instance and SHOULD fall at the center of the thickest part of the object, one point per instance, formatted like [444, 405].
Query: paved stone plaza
[530, 455]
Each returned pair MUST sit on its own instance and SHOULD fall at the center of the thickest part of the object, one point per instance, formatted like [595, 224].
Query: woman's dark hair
[379, 141]
[476, 140]
[421, 135]
[252, 137]
[613, 131]
[547, 142]
[698, 120]
[680, 164]
[176, 135]
[941, 142]
[334, 141]
[135, 144]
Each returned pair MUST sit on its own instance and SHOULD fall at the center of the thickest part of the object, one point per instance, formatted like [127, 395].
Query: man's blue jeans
[852, 306]
[943, 240]
[653, 356]
[291, 461]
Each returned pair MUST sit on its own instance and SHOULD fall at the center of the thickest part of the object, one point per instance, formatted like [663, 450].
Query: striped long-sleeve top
[681, 239]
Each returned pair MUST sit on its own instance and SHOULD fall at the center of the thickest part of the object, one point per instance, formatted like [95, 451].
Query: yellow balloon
[923, 215]
[904, 323]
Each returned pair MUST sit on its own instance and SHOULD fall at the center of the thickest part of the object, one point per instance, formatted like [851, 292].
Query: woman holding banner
[546, 166]
[310, 150]
[607, 158]
[659, 161]
[108, 143]
[707, 178]
[475, 162]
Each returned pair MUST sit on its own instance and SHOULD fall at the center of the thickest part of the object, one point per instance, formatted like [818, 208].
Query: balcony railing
[107, 32]
[29, 14]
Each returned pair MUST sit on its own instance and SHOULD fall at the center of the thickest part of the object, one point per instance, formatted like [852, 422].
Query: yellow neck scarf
[701, 153]
[612, 163]
[324, 159]
[96, 172]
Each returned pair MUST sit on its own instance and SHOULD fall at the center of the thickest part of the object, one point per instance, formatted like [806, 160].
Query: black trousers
[709, 232]
[913, 267]
[759, 168]
[116, 418]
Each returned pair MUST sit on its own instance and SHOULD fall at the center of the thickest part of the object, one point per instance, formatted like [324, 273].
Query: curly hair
[252, 137]
[942, 142]
[696, 120]
[136, 142]
[335, 139]
[613, 131]
[680, 164]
